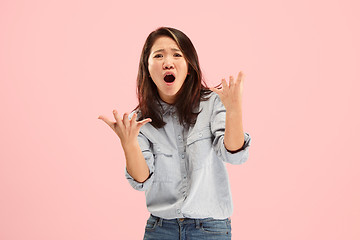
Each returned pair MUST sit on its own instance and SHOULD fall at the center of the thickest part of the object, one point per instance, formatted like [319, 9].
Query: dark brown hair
[193, 90]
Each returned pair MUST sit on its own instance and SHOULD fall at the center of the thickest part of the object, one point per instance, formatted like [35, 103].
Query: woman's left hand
[231, 95]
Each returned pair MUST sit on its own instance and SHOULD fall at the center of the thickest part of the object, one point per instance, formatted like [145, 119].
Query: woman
[179, 158]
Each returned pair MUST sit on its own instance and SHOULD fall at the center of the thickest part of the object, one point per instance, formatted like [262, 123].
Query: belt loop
[197, 223]
[160, 221]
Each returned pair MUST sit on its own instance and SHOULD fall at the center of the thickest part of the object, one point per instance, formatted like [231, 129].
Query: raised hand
[231, 95]
[127, 130]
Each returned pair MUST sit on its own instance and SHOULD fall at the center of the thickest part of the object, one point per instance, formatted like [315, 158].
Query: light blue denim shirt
[188, 176]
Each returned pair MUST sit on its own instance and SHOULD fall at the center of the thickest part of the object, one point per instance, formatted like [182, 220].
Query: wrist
[236, 112]
[130, 145]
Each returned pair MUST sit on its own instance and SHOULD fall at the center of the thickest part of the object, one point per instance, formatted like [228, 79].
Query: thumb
[106, 120]
[215, 90]
[143, 122]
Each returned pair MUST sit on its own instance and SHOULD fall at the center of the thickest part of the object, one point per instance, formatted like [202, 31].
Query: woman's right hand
[127, 130]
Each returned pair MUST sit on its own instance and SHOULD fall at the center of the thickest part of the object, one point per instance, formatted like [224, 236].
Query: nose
[168, 64]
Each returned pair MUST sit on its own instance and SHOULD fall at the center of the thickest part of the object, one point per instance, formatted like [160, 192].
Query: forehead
[164, 43]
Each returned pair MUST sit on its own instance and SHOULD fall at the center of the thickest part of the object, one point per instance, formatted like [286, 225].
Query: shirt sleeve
[149, 158]
[218, 130]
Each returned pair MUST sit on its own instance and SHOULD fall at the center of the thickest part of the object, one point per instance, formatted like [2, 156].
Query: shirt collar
[167, 108]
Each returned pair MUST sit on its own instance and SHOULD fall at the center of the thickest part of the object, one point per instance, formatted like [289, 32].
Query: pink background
[64, 63]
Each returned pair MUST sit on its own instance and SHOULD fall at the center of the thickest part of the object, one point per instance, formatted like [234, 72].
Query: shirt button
[200, 134]
[179, 137]
[178, 211]
[182, 156]
[158, 149]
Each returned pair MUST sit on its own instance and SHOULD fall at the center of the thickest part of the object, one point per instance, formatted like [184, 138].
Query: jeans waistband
[197, 221]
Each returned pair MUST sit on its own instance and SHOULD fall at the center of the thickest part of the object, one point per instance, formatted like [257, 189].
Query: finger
[240, 77]
[143, 122]
[224, 84]
[107, 121]
[116, 115]
[133, 119]
[231, 81]
[218, 91]
[118, 121]
[126, 120]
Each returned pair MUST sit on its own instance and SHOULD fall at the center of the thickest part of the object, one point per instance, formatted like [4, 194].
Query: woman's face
[165, 60]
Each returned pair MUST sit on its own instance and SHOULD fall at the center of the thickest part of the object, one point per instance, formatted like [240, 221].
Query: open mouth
[169, 78]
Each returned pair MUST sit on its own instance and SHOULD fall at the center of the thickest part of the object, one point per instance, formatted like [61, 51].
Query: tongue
[169, 78]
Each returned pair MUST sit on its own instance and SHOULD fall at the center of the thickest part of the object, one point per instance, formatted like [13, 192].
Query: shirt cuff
[140, 186]
[245, 145]
[238, 156]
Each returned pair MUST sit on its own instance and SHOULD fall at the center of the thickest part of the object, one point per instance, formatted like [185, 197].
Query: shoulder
[212, 99]
[208, 105]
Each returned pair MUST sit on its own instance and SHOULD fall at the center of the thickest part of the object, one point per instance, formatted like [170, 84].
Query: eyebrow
[161, 50]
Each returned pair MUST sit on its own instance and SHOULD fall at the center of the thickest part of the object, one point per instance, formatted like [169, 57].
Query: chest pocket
[199, 147]
[165, 164]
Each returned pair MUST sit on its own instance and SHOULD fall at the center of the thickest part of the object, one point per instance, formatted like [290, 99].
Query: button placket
[180, 140]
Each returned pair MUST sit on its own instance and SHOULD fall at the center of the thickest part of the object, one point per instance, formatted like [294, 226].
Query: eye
[157, 56]
[177, 55]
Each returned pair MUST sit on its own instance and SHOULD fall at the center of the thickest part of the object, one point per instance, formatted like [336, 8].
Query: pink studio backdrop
[64, 63]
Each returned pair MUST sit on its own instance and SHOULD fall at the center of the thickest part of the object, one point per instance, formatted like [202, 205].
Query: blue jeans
[187, 229]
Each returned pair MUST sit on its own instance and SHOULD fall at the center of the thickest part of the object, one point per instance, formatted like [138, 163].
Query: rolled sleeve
[218, 130]
[239, 156]
[149, 158]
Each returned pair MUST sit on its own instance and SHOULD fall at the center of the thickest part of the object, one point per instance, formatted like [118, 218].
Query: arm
[135, 162]
[128, 132]
[231, 97]
[219, 129]
[234, 132]
[147, 154]
[234, 139]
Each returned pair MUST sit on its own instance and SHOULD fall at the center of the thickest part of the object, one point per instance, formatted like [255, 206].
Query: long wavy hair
[193, 90]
